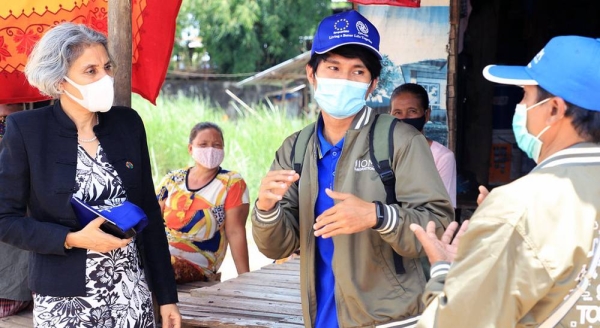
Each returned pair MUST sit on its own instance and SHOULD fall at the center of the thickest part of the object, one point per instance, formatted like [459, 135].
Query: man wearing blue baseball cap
[529, 257]
[360, 262]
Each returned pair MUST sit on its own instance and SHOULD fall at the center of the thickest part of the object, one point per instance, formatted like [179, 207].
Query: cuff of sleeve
[439, 268]
[390, 219]
[267, 216]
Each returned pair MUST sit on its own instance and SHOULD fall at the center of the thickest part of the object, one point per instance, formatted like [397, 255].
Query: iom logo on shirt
[363, 165]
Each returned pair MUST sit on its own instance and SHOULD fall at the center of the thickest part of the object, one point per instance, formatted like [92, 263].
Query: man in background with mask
[531, 242]
[409, 103]
[335, 210]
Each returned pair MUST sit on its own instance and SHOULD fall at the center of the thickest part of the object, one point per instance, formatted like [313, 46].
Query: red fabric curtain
[400, 3]
[154, 34]
[23, 23]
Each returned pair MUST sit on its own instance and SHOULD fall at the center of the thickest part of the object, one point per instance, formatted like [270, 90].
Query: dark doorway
[507, 32]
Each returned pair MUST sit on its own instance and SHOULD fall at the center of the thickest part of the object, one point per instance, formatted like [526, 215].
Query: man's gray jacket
[368, 291]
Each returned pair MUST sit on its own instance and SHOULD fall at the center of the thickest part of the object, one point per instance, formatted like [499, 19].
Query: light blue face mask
[340, 98]
[530, 144]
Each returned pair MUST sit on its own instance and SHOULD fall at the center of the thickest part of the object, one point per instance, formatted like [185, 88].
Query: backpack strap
[381, 151]
[299, 147]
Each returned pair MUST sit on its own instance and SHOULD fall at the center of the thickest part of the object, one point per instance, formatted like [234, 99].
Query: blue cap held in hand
[125, 216]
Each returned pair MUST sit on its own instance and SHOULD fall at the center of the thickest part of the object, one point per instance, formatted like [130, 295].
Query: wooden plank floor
[269, 297]
[21, 319]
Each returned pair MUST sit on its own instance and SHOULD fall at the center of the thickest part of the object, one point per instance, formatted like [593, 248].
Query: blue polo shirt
[325, 281]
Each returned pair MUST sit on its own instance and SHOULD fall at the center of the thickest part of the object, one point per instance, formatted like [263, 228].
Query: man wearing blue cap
[529, 257]
[336, 212]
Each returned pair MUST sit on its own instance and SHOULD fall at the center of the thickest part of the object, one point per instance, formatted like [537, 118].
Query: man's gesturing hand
[443, 249]
[273, 186]
[350, 215]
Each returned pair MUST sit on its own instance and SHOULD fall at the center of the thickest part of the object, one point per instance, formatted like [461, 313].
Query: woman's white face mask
[97, 96]
[208, 157]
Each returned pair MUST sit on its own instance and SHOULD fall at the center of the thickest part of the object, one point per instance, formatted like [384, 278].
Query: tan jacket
[368, 291]
[526, 245]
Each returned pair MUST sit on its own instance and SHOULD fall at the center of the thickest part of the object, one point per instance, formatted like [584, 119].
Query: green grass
[250, 141]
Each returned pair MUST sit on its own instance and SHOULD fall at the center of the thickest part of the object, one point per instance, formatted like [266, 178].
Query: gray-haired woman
[82, 147]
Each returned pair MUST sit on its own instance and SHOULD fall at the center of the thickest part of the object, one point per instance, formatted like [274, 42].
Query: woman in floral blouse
[205, 208]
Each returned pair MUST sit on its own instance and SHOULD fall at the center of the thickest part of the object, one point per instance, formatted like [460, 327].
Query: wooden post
[120, 48]
[452, 68]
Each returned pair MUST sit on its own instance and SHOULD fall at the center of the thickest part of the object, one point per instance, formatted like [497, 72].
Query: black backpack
[381, 151]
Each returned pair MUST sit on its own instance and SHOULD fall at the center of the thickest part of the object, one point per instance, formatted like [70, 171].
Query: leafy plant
[244, 36]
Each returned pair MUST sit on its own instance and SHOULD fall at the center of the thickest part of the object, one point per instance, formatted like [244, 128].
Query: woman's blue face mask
[530, 144]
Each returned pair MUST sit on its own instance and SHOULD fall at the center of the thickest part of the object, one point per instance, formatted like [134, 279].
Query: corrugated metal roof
[281, 74]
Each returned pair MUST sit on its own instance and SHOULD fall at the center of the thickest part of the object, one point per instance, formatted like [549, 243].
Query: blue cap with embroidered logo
[348, 27]
[567, 67]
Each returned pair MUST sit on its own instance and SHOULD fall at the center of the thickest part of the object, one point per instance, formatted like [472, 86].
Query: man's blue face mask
[340, 98]
[530, 144]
